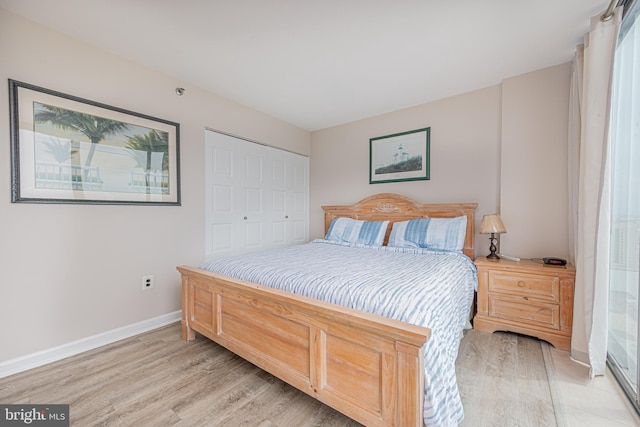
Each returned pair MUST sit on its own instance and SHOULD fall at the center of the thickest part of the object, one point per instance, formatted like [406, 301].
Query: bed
[365, 365]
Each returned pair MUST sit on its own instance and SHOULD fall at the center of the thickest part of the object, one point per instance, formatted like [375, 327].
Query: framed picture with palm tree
[66, 149]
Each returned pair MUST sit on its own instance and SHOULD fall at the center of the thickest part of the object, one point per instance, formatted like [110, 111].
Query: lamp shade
[492, 224]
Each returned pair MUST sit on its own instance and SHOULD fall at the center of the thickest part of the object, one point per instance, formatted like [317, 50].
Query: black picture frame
[66, 149]
[400, 157]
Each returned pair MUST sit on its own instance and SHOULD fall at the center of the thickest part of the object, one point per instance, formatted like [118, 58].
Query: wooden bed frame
[368, 367]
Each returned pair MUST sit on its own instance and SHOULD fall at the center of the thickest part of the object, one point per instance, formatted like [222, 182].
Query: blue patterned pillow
[433, 233]
[355, 231]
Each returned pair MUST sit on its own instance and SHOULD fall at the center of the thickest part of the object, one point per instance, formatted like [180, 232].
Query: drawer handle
[521, 284]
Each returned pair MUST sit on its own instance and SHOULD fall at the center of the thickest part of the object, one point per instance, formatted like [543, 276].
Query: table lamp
[492, 224]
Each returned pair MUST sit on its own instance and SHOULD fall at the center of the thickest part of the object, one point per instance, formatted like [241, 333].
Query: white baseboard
[19, 364]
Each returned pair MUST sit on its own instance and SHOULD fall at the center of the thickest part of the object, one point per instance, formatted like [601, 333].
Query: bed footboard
[368, 367]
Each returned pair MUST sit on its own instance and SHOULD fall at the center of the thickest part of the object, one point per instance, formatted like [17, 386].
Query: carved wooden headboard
[394, 208]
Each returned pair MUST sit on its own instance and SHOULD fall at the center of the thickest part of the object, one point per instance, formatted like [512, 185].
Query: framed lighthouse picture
[399, 157]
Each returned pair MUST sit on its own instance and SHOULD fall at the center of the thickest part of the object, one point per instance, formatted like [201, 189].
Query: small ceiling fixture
[179, 91]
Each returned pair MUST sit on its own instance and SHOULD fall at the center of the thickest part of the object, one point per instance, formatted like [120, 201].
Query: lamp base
[492, 248]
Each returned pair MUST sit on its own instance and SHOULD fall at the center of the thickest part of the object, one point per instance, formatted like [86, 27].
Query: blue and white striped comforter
[419, 286]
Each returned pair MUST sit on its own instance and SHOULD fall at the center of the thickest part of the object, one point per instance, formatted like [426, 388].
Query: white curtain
[588, 185]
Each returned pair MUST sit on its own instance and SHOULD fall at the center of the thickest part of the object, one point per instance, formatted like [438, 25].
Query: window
[624, 253]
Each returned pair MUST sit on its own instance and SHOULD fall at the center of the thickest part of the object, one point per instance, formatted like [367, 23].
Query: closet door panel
[257, 196]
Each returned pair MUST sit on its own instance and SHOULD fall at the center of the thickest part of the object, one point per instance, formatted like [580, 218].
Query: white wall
[73, 271]
[534, 177]
[465, 157]
[503, 147]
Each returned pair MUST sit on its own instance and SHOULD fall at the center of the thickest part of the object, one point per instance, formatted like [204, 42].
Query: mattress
[428, 288]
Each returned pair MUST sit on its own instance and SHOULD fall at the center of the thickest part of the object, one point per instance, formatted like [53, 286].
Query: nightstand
[526, 297]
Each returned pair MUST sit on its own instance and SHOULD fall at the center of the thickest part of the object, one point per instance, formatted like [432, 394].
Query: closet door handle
[245, 218]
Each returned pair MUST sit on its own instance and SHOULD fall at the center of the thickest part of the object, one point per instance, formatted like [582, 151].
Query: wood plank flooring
[156, 379]
[503, 381]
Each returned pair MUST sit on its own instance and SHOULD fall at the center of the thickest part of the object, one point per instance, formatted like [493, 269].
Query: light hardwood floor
[156, 379]
[588, 402]
[503, 381]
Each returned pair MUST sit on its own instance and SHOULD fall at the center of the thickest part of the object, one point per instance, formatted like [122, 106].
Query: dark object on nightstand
[554, 261]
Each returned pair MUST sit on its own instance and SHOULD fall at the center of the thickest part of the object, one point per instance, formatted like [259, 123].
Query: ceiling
[317, 64]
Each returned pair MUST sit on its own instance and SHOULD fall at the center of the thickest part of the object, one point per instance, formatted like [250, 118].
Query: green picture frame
[400, 157]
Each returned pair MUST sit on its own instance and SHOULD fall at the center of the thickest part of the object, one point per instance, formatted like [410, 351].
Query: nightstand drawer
[523, 310]
[531, 285]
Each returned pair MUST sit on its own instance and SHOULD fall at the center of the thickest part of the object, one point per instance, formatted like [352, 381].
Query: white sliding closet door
[256, 196]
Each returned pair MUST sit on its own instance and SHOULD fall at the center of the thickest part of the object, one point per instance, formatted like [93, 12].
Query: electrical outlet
[147, 282]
